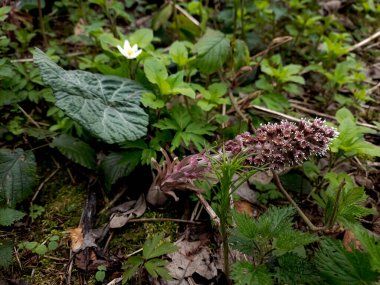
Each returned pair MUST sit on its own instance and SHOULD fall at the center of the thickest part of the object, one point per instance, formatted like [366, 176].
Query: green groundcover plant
[192, 80]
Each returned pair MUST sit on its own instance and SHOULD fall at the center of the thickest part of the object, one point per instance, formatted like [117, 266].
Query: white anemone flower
[128, 51]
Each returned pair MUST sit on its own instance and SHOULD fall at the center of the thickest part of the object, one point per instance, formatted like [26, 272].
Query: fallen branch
[365, 41]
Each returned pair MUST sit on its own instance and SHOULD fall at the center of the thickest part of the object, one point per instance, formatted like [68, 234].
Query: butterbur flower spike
[284, 144]
[128, 51]
[273, 146]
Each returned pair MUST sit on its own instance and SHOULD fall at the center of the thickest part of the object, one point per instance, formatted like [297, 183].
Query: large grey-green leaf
[17, 175]
[108, 106]
[76, 150]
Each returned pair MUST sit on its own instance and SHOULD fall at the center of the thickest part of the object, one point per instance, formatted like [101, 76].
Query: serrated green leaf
[157, 267]
[17, 175]
[212, 49]
[340, 267]
[131, 266]
[151, 244]
[245, 273]
[119, 164]
[108, 106]
[6, 251]
[76, 150]
[290, 240]
[370, 243]
[8, 216]
[295, 270]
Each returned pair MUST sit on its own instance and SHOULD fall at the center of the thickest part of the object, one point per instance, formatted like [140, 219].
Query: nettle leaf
[212, 49]
[108, 106]
[76, 150]
[294, 270]
[370, 243]
[6, 251]
[338, 266]
[17, 175]
[8, 216]
[119, 164]
[245, 273]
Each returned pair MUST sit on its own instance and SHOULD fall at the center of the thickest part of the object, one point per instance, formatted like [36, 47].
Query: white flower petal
[127, 45]
[137, 53]
[122, 51]
[135, 47]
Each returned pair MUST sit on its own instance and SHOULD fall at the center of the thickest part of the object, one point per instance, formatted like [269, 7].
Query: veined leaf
[8, 216]
[6, 251]
[178, 52]
[245, 273]
[131, 267]
[119, 164]
[142, 37]
[212, 50]
[76, 150]
[17, 175]
[157, 267]
[341, 267]
[370, 243]
[108, 106]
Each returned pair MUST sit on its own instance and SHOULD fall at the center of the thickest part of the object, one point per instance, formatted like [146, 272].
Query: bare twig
[187, 15]
[307, 110]
[155, 220]
[43, 184]
[289, 198]
[236, 107]
[21, 60]
[214, 217]
[276, 42]
[373, 89]
[365, 41]
[28, 116]
[275, 113]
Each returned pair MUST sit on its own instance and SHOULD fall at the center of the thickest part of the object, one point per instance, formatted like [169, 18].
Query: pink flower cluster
[273, 146]
[284, 144]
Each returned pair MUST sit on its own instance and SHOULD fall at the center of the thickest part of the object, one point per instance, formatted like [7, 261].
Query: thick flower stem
[286, 194]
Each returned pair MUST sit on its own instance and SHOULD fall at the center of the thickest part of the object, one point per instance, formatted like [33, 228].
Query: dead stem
[214, 217]
[286, 194]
